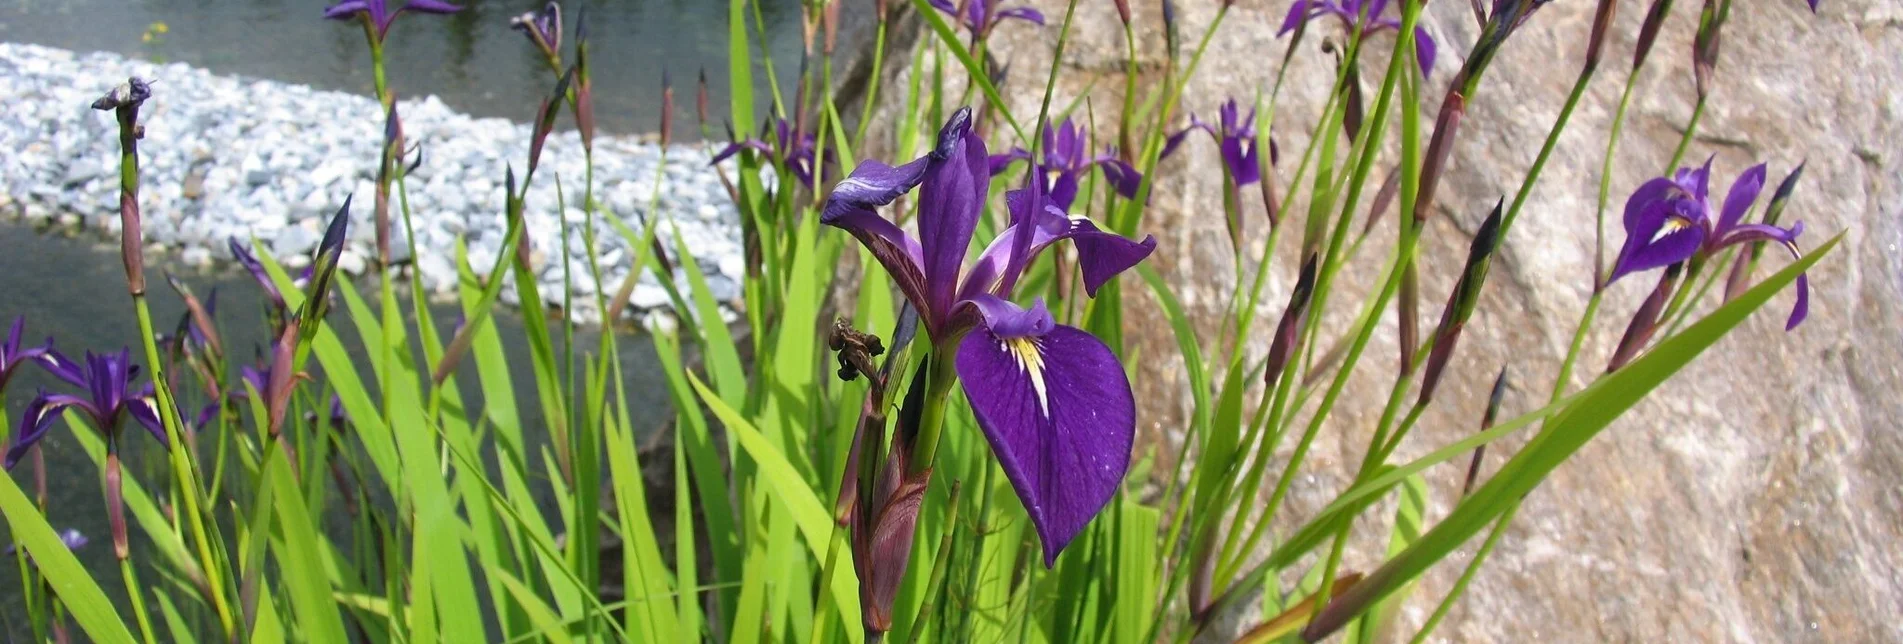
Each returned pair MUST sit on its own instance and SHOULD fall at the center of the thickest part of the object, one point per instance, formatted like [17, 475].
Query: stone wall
[1758, 496]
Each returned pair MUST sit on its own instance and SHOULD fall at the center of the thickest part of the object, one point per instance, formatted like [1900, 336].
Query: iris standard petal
[1007, 320]
[897, 252]
[1000, 162]
[1100, 255]
[951, 197]
[1744, 192]
[1058, 413]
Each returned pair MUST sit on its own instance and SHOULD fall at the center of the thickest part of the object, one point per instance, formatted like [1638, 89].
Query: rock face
[1754, 497]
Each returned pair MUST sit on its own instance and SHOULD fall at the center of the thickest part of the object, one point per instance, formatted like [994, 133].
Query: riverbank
[231, 157]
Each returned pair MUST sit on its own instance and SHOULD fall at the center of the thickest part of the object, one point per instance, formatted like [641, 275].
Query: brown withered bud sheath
[1486, 423]
[667, 108]
[124, 101]
[1439, 148]
[1649, 31]
[830, 22]
[1711, 24]
[1646, 321]
[1289, 330]
[1601, 24]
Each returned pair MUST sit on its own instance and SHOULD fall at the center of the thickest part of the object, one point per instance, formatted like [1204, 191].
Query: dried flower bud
[1289, 330]
[1645, 321]
[829, 21]
[128, 95]
[1601, 25]
[1123, 11]
[667, 107]
[1439, 148]
[1462, 302]
[1486, 423]
[700, 101]
[887, 515]
[1649, 31]
[1711, 22]
[545, 119]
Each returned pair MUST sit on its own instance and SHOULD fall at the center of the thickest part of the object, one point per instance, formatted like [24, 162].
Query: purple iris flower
[1065, 163]
[1052, 400]
[12, 356]
[72, 538]
[251, 265]
[793, 150]
[543, 27]
[1235, 134]
[377, 14]
[981, 16]
[1349, 11]
[110, 397]
[1669, 220]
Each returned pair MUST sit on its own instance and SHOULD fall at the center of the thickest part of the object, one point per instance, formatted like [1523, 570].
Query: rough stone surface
[1754, 497]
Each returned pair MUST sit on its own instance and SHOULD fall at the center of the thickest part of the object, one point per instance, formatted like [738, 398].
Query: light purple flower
[377, 14]
[1669, 220]
[110, 397]
[796, 151]
[1349, 12]
[1235, 134]
[1052, 400]
[544, 28]
[981, 16]
[1065, 163]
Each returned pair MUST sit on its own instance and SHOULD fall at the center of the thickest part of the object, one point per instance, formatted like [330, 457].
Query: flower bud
[1649, 31]
[1486, 423]
[1289, 330]
[1711, 22]
[1601, 24]
[1462, 302]
[667, 107]
[1123, 12]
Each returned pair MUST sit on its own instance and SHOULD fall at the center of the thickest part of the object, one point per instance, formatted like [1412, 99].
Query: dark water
[472, 59]
[74, 291]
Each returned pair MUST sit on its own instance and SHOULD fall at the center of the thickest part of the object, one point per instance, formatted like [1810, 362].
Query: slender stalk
[138, 599]
[1467, 575]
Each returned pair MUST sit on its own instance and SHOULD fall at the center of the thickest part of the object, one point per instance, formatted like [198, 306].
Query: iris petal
[950, 199]
[1744, 192]
[1058, 413]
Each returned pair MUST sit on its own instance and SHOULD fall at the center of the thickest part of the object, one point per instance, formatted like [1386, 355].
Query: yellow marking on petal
[1672, 225]
[1031, 361]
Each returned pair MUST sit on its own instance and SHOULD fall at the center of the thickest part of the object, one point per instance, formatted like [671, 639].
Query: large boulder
[1754, 497]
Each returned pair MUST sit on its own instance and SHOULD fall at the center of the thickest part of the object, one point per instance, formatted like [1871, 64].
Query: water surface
[472, 59]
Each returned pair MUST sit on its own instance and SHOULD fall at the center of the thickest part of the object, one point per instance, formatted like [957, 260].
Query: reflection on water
[75, 291]
[472, 58]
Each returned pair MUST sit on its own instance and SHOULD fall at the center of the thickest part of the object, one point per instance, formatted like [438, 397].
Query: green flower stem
[872, 86]
[940, 377]
[1685, 142]
[182, 466]
[138, 599]
[1467, 576]
[934, 584]
[1605, 182]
